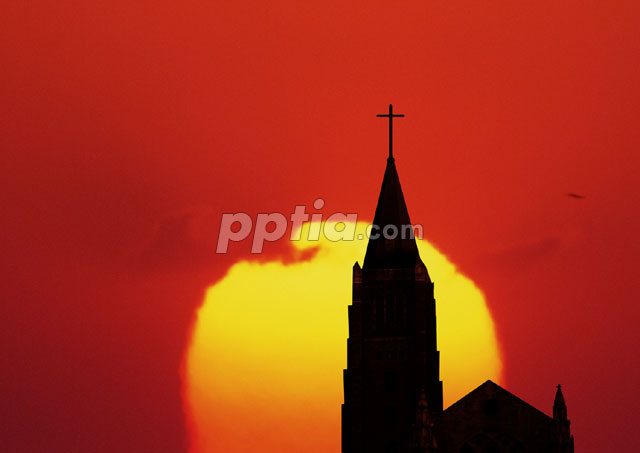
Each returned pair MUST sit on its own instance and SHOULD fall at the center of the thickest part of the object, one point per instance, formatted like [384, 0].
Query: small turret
[565, 439]
[559, 406]
[357, 284]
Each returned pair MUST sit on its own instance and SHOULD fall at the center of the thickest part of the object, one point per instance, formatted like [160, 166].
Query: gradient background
[127, 129]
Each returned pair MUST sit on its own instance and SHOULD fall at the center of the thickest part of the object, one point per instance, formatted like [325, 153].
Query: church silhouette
[392, 387]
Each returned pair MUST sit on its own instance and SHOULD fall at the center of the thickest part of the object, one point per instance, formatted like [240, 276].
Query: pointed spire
[391, 243]
[559, 406]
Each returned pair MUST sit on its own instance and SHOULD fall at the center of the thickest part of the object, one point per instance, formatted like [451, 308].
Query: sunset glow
[264, 370]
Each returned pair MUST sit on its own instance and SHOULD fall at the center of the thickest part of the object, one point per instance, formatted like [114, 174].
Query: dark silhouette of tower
[392, 387]
[391, 350]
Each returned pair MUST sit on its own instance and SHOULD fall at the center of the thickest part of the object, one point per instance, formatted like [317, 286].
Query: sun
[264, 367]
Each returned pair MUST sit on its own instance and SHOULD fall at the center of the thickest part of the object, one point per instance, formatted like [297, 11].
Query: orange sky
[127, 128]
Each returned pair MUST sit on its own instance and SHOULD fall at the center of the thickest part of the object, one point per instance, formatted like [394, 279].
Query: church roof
[391, 211]
[489, 391]
[491, 418]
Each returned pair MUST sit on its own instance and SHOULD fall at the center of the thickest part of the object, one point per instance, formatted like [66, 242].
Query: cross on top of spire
[391, 116]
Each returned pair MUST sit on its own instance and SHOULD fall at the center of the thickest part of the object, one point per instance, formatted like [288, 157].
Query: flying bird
[575, 195]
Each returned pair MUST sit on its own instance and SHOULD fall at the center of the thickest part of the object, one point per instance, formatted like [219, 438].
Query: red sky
[127, 129]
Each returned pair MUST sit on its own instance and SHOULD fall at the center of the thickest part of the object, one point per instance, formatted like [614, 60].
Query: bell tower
[392, 355]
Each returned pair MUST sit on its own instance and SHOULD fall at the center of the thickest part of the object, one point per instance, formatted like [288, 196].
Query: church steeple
[391, 244]
[392, 350]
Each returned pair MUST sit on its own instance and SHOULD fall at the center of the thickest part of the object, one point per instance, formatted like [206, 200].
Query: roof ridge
[490, 382]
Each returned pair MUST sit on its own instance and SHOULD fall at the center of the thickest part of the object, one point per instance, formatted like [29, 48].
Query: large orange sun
[264, 368]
